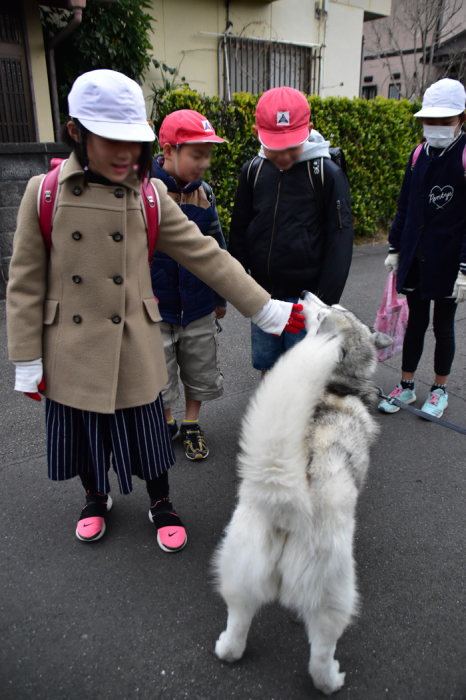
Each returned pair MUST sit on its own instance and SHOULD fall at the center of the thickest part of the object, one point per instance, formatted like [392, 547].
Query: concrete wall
[342, 58]
[18, 163]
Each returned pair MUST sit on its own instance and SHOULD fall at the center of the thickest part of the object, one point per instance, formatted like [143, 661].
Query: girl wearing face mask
[428, 241]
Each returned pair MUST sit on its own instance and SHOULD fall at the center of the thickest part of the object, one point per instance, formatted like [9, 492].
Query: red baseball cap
[282, 118]
[187, 126]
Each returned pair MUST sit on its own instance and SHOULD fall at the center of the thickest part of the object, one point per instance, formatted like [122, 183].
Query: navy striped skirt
[82, 442]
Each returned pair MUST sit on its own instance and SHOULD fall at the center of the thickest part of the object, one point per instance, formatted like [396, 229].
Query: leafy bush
[376, 136]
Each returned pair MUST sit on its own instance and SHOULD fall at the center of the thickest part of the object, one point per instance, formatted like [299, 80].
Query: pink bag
[392, 319]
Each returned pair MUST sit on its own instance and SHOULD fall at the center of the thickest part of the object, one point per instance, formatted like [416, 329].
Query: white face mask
[440, 136]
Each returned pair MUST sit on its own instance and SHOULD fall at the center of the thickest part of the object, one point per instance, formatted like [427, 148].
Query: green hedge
[376, 136]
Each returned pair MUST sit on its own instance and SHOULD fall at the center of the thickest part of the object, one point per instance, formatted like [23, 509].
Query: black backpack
[315, 169]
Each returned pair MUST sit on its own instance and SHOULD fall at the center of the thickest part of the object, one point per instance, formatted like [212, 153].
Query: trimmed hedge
[376, 135]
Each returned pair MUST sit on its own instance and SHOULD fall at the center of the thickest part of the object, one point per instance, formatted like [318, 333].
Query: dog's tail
[276, 424]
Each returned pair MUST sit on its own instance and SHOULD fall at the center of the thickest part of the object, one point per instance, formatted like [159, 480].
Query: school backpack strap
[47, 199]
[337, 155]
[208, 193]
[315, 169]
[416, 153]
[150, 206]
[255, 166]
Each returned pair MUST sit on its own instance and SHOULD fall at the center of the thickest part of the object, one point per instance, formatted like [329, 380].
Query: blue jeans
[266, 348]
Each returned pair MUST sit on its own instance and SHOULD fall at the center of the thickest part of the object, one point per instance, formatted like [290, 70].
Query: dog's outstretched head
[359, 343]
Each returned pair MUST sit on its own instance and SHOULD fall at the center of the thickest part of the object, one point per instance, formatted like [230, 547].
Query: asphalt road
[121, 619]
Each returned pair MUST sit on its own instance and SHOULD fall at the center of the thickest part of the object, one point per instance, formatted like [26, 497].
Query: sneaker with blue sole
[436, 403]
[405, 395]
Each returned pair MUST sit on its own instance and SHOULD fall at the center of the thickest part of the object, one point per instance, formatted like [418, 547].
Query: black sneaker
[174, 430]
[171, 534]
[195, 446]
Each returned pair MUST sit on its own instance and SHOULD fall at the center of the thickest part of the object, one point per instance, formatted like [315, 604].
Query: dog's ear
[381, 340]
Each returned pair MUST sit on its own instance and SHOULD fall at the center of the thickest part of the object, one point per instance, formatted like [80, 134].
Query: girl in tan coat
[82, 318]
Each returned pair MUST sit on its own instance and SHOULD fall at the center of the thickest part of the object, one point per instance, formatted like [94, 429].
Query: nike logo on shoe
[170, 534]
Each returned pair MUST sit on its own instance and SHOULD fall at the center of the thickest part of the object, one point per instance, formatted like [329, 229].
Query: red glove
[296, 322]
[36, 395]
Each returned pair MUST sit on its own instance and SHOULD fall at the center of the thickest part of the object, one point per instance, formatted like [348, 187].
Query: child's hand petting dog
[296, 322]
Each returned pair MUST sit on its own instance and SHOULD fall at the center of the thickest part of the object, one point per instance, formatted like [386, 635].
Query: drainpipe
[361, 72]
[76, 7]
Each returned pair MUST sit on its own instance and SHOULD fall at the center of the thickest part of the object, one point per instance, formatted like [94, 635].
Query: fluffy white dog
[304, 455]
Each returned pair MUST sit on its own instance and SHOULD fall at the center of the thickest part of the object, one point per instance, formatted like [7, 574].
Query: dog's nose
[303, 294]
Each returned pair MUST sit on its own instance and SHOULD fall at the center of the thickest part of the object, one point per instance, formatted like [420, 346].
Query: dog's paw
[226, 650]
[329, 682]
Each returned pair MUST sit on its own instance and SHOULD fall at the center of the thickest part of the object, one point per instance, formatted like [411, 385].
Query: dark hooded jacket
[280, 234]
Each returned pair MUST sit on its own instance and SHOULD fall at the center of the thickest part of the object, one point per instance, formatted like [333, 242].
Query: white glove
[459, 290]
[273, 316]
[28, 375]
[391, 262]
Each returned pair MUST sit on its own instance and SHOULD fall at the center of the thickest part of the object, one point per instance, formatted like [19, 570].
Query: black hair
[79, 148]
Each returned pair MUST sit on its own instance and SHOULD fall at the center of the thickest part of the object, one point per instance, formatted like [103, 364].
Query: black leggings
[156, 488]
[444, 331]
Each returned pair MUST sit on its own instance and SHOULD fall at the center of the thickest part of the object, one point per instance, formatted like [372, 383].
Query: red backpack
[47, 200]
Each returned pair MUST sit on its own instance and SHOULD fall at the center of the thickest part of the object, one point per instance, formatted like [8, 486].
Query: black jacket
[279, 235]
[430, 224]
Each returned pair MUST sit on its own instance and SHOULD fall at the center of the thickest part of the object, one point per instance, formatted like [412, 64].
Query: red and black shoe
[171, 534]
[91, 524]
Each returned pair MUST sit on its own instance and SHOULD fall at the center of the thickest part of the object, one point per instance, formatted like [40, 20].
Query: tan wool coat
[88, 309]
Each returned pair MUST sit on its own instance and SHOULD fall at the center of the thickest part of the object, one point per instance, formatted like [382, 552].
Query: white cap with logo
[111, 105]
[445, 98]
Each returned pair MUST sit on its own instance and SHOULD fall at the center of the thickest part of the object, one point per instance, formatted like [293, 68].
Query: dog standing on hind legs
[304, 457]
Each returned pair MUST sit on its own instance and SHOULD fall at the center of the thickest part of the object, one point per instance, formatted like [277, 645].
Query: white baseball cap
[111, 105]
[445, 98]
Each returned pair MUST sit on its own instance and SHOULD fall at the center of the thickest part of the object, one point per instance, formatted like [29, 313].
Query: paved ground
[120, 619]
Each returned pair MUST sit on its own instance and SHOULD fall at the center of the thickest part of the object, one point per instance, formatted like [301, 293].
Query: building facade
[398, 62]
[220, 46]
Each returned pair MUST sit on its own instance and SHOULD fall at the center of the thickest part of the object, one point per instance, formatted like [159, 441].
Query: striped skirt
[81, 442]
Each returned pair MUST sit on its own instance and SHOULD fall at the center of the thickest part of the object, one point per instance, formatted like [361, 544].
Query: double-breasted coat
[88, 308]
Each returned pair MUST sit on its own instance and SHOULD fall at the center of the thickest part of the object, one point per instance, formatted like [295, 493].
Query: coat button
[77, 190]
[119, 192]
[118, 279]
[76, 235]
[117, 236]
[76, 279]
[77, 318]
[116, 318]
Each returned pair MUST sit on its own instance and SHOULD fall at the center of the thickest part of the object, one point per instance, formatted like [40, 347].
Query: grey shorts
[194, 350]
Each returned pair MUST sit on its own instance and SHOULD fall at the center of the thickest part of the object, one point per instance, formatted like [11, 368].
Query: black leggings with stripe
[444, 331]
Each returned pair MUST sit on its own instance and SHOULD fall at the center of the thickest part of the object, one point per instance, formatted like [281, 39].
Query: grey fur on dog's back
[304, 456]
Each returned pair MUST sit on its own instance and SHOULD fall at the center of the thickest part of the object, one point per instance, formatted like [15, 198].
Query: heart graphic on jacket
[440, 196]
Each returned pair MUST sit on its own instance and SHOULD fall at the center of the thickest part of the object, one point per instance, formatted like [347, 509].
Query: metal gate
[16, 116]
[256, 65]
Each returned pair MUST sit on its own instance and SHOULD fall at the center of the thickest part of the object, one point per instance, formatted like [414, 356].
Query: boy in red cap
[289, 234]
[189, 307]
